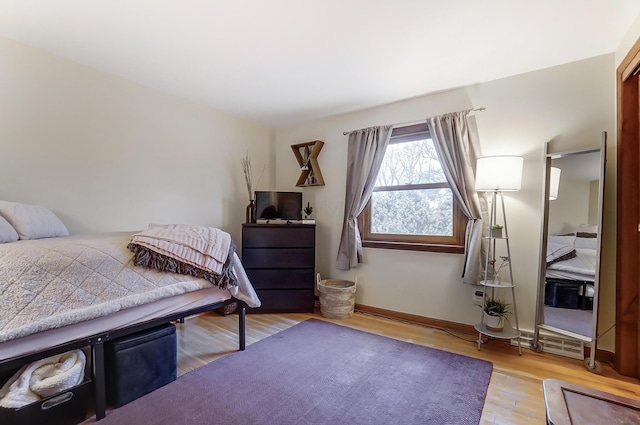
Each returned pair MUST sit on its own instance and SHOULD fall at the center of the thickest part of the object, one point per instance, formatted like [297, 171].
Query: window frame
[450, 244]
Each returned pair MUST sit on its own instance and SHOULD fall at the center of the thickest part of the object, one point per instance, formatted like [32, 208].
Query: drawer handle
[57, 400]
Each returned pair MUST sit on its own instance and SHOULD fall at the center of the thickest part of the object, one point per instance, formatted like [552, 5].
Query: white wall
[106, 154]
[629, 39]
[571, 208]
[569, 105]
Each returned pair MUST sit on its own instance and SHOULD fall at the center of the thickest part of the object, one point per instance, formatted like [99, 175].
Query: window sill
[408, 246]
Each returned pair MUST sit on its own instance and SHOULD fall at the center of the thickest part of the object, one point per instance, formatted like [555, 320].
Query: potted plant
[495, 313]
[308, 210]
[496, 231]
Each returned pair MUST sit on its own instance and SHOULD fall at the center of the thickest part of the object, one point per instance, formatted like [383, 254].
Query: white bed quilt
[584, 262]
[50, 283]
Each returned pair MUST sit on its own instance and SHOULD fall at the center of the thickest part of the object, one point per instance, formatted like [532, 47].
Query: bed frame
[96, 344]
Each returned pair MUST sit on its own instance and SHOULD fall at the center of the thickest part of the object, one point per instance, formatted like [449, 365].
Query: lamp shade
[501, 173]
[554, 183]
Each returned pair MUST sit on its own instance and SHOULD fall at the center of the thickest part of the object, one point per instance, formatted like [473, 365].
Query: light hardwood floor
[515, 391]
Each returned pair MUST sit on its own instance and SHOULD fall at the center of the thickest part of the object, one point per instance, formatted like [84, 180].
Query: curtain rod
[482, 108]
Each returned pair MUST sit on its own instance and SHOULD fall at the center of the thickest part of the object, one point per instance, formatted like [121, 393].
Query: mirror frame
[542, 264]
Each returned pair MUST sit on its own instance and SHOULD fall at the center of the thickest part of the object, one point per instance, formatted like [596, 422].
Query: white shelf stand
[489, 286]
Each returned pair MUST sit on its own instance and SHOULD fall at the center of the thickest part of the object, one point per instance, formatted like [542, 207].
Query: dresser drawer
[281, 279]
[275, 258]
[285, 301]
[262, 236]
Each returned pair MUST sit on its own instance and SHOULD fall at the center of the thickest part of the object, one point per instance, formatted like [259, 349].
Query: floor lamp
[498, 174]
[554, 183]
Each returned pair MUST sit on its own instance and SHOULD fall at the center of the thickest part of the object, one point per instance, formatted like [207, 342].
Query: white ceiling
[285, 62]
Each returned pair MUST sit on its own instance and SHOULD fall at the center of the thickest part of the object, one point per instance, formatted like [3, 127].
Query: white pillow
[587, 243]
[7, 232]
[32, 221]
[562, 240]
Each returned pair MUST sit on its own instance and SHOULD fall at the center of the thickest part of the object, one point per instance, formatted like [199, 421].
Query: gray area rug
[321, 373]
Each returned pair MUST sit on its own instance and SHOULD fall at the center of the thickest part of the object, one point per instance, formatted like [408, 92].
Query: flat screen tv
[271, 205]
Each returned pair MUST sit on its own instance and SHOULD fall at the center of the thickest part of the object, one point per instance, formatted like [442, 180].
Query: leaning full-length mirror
[570, 252]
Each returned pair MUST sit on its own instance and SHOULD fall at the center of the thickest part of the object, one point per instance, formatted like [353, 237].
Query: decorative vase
[496, 278]
[493, 323]
[251, 212]
[496, 233]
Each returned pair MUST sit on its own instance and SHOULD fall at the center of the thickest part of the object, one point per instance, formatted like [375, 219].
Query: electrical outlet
[476, 294]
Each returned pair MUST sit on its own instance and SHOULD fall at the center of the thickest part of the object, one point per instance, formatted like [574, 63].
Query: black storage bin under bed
[140, 363]
[562, 294]
[567, 294]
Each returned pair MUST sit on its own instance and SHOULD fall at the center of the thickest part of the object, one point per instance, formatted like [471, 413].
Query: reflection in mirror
[572, 242]
[570, 249]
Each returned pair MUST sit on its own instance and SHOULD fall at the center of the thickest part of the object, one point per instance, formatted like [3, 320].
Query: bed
[571, 262]
[60, 292]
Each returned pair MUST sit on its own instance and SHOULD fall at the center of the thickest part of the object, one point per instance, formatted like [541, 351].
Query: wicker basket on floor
[227, 309]
[337, 298]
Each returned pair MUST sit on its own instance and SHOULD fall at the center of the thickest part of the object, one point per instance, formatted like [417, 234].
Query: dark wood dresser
[280, 262]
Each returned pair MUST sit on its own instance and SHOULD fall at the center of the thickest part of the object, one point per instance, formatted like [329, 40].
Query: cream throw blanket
[204, 247]
[43, 378]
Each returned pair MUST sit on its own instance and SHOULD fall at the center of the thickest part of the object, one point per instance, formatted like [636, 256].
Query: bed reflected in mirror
[572, 242]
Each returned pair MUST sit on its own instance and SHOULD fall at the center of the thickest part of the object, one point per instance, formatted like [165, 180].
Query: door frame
[627, 345]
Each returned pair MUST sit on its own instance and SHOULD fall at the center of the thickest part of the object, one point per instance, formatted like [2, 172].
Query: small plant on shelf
[496, 231]
[495, 314]
[308, 210]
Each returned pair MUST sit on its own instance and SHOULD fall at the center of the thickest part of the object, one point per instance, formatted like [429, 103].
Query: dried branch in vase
[496, 270]
[248, 174]
[248, 177]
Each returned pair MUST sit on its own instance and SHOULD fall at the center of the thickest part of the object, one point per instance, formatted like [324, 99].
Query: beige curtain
[455, 137]
[365, 153]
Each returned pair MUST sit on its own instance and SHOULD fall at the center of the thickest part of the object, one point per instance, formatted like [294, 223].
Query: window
[412, 205]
